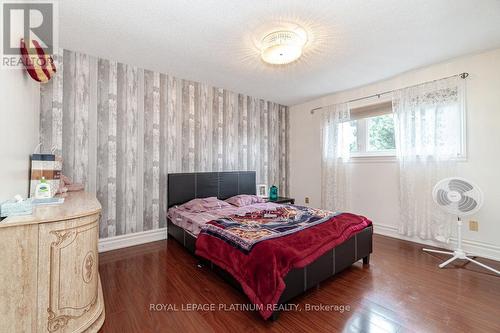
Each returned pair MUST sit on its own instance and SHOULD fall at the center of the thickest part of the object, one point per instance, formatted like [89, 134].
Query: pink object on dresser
[67, 185]
[192, 221]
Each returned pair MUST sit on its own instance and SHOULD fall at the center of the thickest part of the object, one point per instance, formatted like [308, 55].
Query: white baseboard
[481, 249]
[137, 238]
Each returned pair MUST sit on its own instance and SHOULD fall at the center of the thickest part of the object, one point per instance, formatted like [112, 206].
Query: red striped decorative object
[39, 65]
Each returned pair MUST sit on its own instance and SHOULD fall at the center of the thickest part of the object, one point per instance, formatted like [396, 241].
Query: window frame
[362, 134]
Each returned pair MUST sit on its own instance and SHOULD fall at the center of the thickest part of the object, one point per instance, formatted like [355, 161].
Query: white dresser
[49, 277]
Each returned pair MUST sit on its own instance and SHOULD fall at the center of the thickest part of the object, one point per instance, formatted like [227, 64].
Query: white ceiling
[353, 42]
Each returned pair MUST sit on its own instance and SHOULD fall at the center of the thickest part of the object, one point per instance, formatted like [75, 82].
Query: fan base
[460, 254]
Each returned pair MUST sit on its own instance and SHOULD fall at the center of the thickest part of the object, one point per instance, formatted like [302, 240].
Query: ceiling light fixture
[282, 47]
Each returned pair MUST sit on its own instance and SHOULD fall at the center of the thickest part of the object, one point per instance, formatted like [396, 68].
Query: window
[371, 131]
[380, 130]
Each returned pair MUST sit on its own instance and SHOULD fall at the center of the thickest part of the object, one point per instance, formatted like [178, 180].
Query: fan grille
[457, 196]
[466, 204]
[459, 185]
[442, 198]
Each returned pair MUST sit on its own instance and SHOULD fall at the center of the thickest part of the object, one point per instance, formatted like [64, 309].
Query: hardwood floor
[402, 290]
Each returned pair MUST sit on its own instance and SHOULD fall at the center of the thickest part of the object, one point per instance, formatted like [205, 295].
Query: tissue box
[13, 208]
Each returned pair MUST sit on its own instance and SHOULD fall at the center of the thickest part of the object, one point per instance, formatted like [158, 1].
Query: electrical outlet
[306, 200]
[473, 225]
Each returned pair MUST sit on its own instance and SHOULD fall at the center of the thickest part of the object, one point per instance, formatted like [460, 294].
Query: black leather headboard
[183, 187]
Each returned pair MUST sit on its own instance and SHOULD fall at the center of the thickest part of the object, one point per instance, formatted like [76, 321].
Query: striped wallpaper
[122, 129]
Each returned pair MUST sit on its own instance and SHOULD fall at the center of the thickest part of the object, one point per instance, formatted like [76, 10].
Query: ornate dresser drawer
[58, 288]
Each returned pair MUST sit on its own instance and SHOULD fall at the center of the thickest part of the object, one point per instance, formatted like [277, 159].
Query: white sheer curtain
[428, 121]
[335, 174]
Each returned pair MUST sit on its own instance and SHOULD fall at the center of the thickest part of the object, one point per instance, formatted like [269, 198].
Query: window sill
[385, 158]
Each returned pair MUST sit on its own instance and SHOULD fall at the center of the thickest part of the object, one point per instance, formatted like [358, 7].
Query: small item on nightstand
[262, 190]
[16, 206]
[42, 190]
[45, 165]
[273, 193]
[67, 185]
[48, 201]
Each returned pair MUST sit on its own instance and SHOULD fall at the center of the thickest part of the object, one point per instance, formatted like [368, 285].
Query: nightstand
[283, 200]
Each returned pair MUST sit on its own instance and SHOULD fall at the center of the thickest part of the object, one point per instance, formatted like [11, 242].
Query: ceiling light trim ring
[282, 47]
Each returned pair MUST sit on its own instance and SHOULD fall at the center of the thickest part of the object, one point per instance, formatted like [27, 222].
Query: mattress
[193, 222]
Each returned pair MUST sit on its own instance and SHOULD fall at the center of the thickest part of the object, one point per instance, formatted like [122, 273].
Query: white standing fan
[458, 197]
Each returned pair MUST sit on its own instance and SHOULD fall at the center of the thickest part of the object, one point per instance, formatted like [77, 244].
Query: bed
[183, 187]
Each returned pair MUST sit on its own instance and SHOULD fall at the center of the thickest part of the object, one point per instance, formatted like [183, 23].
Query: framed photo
[262, 190]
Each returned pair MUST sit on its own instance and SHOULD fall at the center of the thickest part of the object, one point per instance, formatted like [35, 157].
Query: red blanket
[261, 272]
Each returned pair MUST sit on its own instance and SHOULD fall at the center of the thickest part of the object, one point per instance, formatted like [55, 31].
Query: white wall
[19, 121]
[375, 183]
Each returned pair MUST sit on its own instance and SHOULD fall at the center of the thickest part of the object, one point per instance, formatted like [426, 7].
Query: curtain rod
[461, 75]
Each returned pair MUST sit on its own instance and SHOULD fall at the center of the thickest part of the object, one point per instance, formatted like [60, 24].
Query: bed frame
[183, 187]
